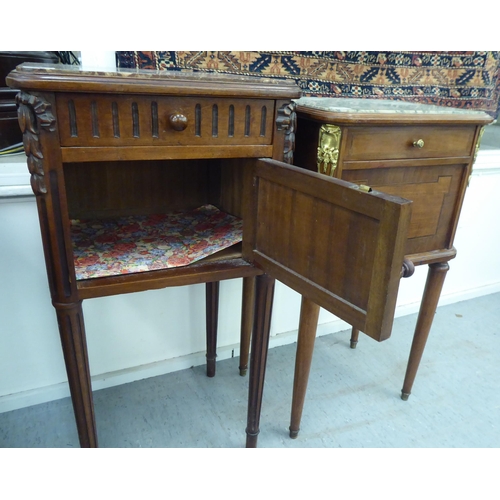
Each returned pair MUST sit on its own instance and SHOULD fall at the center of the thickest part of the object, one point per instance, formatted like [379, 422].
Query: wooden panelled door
[330, 241]
[338, 246]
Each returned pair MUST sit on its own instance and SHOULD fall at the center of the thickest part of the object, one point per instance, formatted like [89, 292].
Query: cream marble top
[352, 105]
[70, 71]
[64, 78]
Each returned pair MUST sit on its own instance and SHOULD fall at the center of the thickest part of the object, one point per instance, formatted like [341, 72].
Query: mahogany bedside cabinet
[419, 152]
[148, 179]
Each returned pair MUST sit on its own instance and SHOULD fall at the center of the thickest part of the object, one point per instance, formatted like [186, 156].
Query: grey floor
[352, 401]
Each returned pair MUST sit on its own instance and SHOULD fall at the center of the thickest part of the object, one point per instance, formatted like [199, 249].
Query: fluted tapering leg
[264, 291]
[72, 332]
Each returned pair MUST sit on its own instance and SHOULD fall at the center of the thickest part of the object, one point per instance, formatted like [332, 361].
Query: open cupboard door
[328, 240]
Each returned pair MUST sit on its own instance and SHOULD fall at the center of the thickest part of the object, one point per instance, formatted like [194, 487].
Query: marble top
[66, 78]
[352, 105]
[132, 73]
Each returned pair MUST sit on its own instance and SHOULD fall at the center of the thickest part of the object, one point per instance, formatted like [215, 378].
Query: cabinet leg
[264, 291]
[433, 286]
[309, 313]
[212, 311]
[248, 304]
[74, 345]
[354, 337]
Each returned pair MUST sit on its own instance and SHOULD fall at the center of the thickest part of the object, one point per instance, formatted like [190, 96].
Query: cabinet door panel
[329, 241]
[436, 191]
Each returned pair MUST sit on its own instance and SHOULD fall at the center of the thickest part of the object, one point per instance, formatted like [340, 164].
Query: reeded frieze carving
[34, 113]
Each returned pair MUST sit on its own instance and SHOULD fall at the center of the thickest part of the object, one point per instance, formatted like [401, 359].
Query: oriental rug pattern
[469, 80]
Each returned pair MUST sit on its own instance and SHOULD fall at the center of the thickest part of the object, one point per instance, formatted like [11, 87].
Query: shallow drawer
[116, 120]
[385, 143]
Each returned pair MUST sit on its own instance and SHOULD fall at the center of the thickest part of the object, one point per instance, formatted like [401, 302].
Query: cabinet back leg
[212, 312]
[354, 337]
[433, 286]
[248, 304]
[308, 323]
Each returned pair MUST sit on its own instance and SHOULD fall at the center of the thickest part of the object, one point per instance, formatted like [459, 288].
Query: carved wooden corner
[34, 113]
[287, 121]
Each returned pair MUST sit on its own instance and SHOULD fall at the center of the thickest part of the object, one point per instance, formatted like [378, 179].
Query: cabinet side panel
[434, 190]
[232, 181]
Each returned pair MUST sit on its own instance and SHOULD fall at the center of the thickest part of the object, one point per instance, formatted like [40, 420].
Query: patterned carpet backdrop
[469, 80]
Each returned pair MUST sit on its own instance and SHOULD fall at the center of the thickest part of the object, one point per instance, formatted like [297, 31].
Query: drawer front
[391, 142]
[116, 120]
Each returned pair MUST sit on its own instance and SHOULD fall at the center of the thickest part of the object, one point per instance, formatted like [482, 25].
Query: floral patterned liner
[124, 245]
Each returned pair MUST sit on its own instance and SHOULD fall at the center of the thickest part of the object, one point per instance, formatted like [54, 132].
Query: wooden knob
[178, 122]
[419, 144]
[408, 268]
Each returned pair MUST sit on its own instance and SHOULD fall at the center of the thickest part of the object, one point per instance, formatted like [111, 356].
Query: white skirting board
[102, 381]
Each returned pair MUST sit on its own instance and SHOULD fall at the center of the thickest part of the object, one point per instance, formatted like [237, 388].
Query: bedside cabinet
[419, 152]
[122, 164]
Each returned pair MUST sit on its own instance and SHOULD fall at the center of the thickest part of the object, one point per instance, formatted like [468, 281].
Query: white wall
[135, 336]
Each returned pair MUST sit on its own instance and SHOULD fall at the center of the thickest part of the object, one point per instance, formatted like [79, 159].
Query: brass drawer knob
[178, 122]
[418, 144]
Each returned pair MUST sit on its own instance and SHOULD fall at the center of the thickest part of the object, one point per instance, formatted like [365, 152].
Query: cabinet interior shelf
[135, 249]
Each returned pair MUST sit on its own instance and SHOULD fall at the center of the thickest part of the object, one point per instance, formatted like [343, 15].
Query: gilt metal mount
[328, 149]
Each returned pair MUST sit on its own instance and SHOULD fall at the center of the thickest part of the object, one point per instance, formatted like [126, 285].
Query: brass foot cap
[243, 372]
[294, 434]
[353, 344]
[405, 396]
[251, 439]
